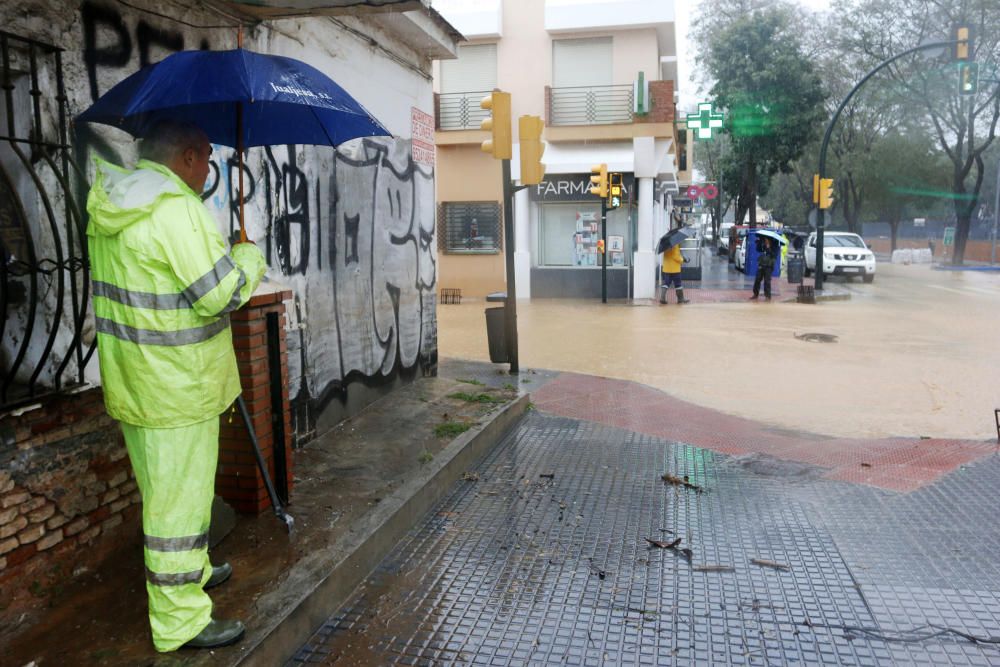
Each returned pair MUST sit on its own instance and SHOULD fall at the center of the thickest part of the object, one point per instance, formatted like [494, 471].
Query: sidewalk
[359, 488]
[568, 547]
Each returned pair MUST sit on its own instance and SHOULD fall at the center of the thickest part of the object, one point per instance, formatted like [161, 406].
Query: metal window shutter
[581, 62]
[475, 69]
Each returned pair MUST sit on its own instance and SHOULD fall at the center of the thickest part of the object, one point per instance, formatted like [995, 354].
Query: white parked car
[722, 242]
[844, 254]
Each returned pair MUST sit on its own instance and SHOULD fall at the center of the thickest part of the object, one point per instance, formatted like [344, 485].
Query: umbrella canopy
[771, 234]
[674, 237]
[282, 100]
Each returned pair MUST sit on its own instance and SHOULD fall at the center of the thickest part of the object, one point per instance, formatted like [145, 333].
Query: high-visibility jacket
[672, 260]
[163, 286]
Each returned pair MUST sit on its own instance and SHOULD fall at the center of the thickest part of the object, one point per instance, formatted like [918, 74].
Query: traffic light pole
[510, 306]
[604, 255]
[820, 222]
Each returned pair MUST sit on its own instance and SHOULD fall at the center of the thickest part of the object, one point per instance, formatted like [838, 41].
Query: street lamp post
[829, 131]
[996, 218]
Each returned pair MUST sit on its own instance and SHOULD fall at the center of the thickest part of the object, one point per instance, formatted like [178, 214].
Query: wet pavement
[543, 556]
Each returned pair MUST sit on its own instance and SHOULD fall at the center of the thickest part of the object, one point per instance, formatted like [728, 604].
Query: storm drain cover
[817, 337]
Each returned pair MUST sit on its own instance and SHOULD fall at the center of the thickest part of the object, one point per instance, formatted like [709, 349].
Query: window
[581, 62]
[464, 83]
[568, 235]
[682, 152]
[469, 227]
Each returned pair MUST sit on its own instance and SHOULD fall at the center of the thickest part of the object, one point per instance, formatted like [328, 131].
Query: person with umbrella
[670, 269]
[765, 266]
[163, 287]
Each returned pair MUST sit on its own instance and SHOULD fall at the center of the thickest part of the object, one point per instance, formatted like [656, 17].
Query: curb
[338, 570]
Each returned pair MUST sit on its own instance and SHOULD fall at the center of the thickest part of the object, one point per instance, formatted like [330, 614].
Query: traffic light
[615, 186]
[815, 188]
[497, 124]
[963, 48]
[825, 193]
[968, 78]
[532, 148]
[599, 180]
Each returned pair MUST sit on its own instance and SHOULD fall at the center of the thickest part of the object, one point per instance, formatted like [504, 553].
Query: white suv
[844, 254]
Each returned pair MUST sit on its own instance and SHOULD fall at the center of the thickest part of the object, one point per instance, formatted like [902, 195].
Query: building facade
[602, 75]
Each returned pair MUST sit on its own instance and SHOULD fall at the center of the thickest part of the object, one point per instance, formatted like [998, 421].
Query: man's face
[196, 165]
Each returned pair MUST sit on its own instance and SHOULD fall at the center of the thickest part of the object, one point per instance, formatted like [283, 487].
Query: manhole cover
[816, 337]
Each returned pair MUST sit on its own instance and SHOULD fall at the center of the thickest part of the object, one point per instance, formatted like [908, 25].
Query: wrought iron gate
[44, 279]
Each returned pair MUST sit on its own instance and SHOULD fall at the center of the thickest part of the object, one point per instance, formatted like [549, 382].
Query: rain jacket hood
[120, 198]
[163, 286]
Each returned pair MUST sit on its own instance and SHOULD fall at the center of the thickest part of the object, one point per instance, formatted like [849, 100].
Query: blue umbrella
[240, 99]
[282, 101]
[772, 235]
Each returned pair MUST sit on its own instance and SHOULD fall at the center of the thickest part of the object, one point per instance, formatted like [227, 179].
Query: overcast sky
[687, 11]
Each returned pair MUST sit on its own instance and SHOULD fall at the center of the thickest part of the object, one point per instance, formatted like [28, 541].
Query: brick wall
[68, 497]
[661, 98]
[238, 479]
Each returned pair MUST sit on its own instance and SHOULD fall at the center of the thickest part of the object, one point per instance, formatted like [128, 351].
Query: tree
[964, 127]
[770, 94]
[905, 177]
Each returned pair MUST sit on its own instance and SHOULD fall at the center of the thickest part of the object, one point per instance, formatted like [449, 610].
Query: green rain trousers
[175, 470]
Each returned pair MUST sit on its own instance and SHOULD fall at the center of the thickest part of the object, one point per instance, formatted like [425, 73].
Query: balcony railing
[591, 105]
[460, 111]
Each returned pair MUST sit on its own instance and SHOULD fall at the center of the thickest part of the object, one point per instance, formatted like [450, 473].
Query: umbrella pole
[239, 161]
[239, 145]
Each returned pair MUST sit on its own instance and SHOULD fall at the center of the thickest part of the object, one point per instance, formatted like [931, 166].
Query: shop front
[566, 228]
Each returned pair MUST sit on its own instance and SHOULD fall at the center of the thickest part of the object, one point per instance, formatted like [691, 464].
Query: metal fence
[460, 111]
[44, 281]
[591, 105]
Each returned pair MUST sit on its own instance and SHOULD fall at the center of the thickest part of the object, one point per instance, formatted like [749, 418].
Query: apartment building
[603, 76]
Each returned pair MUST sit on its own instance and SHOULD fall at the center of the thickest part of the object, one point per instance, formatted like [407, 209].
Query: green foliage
[450, 429]
[425, 457]
[472, 381]
[477, 398]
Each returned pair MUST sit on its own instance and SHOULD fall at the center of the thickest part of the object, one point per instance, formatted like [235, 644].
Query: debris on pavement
[680, 481]
[866, 465]
[470, 477]
[771, 564]
[664, 545]
[547, 475]
[713, 568]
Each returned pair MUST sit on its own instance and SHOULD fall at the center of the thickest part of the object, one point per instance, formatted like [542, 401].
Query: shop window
[569, 234]
[470, 227]
[682, 150]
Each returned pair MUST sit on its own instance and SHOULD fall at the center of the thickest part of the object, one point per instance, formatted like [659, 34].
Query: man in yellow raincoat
[670, 271]
[163, 286]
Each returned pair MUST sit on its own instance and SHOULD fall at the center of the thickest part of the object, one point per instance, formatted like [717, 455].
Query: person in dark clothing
[765, 266]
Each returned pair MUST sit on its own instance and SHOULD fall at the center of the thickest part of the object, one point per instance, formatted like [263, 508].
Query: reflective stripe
[210, 280]
[234, 303]
[177, 579]
[153, 337]
[188, 543]
[135, 299]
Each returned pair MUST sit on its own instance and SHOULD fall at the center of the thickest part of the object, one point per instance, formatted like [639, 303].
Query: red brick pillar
[238, 479]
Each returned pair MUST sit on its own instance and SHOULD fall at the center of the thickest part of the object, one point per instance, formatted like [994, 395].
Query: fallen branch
[680, 481]
[664, 545]
[713, 568]
[771, 564]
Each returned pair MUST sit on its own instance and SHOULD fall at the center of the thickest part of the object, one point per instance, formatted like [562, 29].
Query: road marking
[963, 291]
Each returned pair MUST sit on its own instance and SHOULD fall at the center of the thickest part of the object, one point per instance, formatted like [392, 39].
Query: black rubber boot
[217, 633]
[663, 294]
[680, 296]
[220, 574]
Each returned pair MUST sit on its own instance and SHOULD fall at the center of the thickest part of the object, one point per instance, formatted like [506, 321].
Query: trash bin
[796, 267]
[495, 327]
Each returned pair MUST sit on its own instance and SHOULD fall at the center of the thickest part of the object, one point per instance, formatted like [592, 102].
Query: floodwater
[916, 352]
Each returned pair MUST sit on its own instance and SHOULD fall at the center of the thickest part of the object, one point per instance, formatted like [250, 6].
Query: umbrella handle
[239, 154]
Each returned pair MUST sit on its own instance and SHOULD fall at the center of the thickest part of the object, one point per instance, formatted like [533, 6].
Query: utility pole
[996, 218]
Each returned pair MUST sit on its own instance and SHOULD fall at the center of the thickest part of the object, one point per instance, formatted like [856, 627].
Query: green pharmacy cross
[704, 121]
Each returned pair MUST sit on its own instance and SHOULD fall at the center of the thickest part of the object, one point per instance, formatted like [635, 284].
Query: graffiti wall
[348, 230]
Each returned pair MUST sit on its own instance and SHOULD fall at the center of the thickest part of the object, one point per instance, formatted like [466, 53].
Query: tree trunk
[894, 234]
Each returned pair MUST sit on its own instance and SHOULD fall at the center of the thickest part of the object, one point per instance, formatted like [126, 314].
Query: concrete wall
[350, 231]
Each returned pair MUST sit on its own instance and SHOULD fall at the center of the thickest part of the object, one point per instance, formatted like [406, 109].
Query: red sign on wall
[422, 132]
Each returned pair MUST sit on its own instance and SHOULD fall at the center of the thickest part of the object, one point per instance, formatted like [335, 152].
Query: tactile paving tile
[523, 568]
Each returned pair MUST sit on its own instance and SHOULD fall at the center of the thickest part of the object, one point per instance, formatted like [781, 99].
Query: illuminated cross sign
[704, 121]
